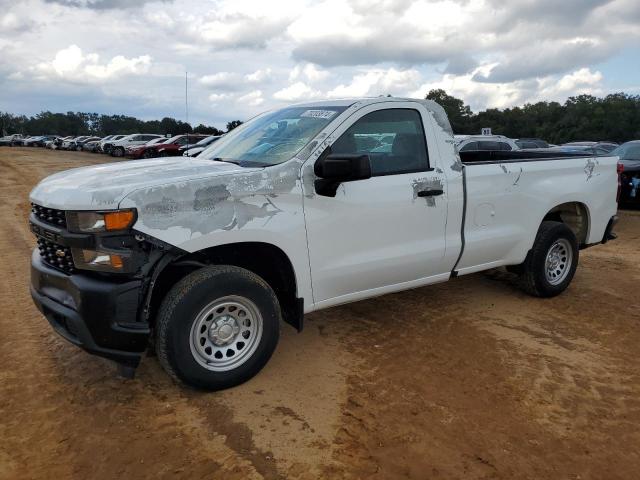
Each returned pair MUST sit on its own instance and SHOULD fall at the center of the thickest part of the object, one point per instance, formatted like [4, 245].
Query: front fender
[254, 206]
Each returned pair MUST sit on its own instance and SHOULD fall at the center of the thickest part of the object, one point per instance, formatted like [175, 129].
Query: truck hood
[104, 186]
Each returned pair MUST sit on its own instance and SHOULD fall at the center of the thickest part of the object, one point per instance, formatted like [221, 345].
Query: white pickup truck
[299, 209]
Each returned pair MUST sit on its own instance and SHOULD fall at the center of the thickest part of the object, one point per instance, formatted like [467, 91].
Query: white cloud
[73, 65]
[253, 99]
[11, 22]
[579, 82]
[217, 97]
[378, 82]
[86, 55]
[259, 76]
[480, 95]
[226, 81]
[309, 72]
[297, 92]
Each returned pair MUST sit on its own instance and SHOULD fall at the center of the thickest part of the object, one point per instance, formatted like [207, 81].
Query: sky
[243, 57]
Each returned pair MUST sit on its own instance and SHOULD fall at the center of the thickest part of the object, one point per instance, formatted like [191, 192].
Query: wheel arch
[266, 260]
[575, 215]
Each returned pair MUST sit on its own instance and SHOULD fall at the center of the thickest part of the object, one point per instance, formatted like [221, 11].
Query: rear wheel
[551, 264]
[217, 327]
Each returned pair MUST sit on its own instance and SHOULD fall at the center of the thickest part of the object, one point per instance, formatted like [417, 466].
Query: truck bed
[509, 194]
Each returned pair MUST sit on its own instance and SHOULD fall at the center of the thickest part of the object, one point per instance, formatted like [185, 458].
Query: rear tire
[217, 327]
[117, 152]
[551, 263]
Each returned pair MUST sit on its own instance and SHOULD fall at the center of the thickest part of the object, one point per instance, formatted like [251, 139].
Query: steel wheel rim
[558, 261]
[226, 333]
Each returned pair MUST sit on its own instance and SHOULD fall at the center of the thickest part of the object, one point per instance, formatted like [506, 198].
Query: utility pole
[186, 95]
[186, 101]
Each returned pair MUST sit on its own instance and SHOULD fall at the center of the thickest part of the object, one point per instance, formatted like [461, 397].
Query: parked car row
[137, 145]
[470, 143]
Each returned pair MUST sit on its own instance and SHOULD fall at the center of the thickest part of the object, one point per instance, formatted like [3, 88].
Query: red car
[144, 151]
[171, 147]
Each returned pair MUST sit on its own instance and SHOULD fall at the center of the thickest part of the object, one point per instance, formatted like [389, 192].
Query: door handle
[430, 193]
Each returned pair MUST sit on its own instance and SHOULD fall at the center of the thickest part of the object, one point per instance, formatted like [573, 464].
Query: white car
[468, 143]
[201, 146]
[119, 148]
[71, 143]
[297, 210]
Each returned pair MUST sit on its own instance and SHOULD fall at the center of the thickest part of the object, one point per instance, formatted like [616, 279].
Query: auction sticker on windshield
[326, 114]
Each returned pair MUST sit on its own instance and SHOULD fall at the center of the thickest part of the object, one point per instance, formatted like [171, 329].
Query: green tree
[207, 130]
[459, 114]
[233, 124]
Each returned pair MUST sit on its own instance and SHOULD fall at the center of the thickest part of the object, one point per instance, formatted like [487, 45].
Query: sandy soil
[470, 379]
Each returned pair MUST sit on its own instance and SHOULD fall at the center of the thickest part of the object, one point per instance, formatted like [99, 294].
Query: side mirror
[336, 168]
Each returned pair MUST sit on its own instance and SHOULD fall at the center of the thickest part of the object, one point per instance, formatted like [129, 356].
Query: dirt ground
[469, 379]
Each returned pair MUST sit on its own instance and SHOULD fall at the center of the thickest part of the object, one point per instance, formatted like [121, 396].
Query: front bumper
[100, 316]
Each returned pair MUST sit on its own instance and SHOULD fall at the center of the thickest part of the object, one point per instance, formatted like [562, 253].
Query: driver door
[381, 234]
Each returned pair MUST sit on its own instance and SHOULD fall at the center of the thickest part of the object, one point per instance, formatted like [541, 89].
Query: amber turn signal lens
[116, 261]
[118, 220]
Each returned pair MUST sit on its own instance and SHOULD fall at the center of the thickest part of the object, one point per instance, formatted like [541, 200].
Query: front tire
[552, 262]
[217, 327]
[117, 152]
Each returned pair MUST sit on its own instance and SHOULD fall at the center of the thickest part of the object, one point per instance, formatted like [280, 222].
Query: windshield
[628, 151]
[273, 137]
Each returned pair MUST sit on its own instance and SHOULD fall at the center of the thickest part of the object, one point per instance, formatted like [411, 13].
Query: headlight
[90, 222]
[100, 261]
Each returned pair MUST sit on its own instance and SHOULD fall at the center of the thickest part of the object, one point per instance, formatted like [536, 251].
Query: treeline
[614, 117]
[585, 117]
[78, 123]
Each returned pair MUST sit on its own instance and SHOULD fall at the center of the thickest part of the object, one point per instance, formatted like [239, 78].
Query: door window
[394, 139]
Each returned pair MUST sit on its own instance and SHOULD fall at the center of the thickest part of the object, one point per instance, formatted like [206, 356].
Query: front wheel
[551, 264]
[217, 327]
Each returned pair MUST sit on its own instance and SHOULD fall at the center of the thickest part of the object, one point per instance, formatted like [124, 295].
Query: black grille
[50, 215]
[55, 255]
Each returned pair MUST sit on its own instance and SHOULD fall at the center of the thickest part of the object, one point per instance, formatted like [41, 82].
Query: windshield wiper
[228, 160]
